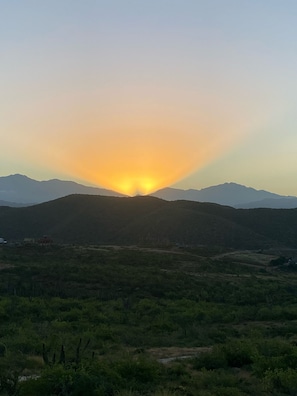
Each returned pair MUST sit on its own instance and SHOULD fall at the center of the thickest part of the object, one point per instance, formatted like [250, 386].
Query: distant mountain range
[20, 190]
[230, 194]
[13, 204]
[149, 221]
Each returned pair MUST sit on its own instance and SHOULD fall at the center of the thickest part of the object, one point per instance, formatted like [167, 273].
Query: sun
[139, 185]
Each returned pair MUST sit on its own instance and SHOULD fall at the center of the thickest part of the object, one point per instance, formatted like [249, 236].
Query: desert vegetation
[110, 320]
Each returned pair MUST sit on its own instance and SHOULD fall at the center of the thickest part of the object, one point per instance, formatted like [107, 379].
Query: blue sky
[138, 95]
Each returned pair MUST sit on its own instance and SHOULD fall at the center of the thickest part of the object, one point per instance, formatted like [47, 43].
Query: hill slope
[150, 221]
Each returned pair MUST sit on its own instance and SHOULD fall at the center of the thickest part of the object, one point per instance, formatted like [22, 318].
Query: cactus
[62, 359]
[77, 359]
[44, 354]
[2, 350]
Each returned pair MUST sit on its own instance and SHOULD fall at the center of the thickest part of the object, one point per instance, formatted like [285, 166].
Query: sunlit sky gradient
[135, 95]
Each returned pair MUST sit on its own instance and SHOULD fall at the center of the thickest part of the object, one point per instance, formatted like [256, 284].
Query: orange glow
[136, 155]
[132, 165]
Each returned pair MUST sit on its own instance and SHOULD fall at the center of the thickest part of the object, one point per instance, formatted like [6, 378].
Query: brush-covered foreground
[112, 321]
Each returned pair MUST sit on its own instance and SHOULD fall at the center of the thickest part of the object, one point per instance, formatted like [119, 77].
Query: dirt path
[167, 355]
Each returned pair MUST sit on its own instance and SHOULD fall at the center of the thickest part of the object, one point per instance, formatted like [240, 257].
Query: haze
[138, 95]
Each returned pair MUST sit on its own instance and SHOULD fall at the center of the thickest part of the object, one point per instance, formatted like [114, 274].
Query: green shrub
[67, 381]
[138, 373]
[283, 380]
[219, 382]
[216, 358]
[239, 353]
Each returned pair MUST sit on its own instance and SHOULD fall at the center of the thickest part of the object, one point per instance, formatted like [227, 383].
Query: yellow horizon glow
[133, 168]
[136, 155]
[140, 165]
[137, 185]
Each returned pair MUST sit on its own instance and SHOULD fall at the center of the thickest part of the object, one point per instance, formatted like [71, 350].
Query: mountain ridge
[20, 190]
[229, 193]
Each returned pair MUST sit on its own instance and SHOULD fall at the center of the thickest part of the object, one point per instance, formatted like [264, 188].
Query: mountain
[272, 203]
[230, 194]
[18, 190]
[13, 204]
[86, 219]
[21, 189]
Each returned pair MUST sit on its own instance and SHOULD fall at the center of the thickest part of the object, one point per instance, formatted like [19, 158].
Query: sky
[136, 95]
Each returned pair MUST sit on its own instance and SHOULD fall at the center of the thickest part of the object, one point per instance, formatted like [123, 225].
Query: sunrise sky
[135, 95]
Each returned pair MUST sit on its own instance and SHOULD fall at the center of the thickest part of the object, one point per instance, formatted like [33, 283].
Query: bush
[139, 373]
[278, 261]
[67, 381]
[97, 379]
[283, 380]
[218, 382]
[239, 353]
[214, 359]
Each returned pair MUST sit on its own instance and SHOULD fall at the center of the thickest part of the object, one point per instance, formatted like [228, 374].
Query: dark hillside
[184, 226]
[149, 221]
[276, 224]
[76, 218]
